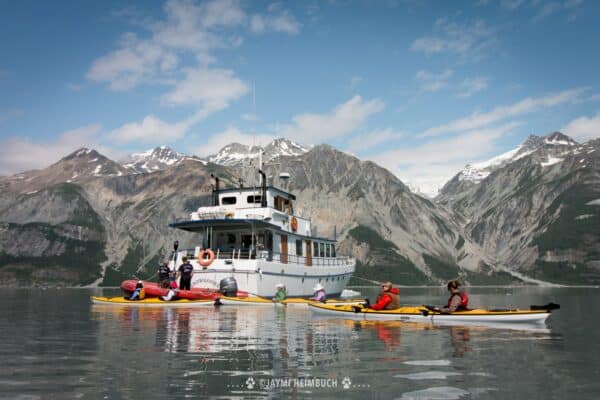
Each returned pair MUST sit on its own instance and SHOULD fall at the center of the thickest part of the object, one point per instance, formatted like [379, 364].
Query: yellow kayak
[294, 301]
[537, 314]
[151, 302]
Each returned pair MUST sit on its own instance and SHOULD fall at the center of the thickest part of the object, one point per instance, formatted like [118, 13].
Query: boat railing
[253, 254]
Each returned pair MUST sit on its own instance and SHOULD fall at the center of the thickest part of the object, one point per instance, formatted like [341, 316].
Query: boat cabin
[250, 223]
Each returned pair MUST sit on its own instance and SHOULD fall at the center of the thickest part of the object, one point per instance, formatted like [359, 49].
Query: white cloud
[583, 128]
[512, 4]
[250, 117]
[431, 164]
[74, 87]
[276, 20]
[310, 128]
[19, 154]
[204, 86]
[187, 29]
[355, 81]
[546, 10]
[478, 120]
[470, 86]
[372, 139]
[452, 37]
[231, 135]
[432, 82]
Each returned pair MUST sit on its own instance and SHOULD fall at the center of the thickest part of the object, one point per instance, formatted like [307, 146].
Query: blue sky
[420, 87]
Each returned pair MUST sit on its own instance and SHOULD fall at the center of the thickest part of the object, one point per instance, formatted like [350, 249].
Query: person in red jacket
[458, 300]
[389, 299]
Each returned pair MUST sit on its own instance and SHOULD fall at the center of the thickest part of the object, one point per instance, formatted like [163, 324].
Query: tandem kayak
[152, 289]
[537, 314]
[262, 301]
[152, 302]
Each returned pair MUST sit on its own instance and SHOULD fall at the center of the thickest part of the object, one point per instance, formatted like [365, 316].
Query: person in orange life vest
[389, 299]
[139, 293]
[458, 300]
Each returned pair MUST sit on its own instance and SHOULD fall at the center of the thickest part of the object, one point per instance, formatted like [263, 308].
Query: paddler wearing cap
[280, 294]
[319, 293]
[389, 298]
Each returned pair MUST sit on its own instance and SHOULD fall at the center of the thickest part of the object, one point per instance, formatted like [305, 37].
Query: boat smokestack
[216, 190]
[263, 197]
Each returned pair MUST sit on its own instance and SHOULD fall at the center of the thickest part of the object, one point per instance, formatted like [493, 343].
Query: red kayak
[153, 290]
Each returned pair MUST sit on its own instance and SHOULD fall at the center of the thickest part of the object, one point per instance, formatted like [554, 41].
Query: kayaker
[185, 271]
[389, 299]
[163, 275]
[280, 294]
[139, 293]
[319, 293]
[458, 300]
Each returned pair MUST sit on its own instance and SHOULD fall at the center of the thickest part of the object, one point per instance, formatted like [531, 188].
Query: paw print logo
[346, 382]
[250, 383]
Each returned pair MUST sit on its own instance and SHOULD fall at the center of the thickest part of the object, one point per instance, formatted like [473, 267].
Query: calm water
[56, 345]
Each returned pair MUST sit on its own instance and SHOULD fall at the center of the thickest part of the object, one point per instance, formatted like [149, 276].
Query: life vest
[395, 303]
[142, 294]
[464, 300]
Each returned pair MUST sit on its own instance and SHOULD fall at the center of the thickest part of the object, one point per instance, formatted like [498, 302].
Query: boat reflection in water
[213, 352]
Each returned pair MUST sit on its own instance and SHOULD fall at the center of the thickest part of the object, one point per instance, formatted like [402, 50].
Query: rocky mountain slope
[535, 211]
[88, 220]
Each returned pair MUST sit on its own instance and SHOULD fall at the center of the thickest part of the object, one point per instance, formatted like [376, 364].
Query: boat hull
[151, 302]
[296, 302]
[422, 314]
[260, 277]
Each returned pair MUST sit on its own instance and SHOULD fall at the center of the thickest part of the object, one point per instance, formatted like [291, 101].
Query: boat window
[315, 249]
[246, 241]
[333, 250]
[321, 249]
[327, 250]
[228, 200]
[298, 247]
[254, 199]
[230, 238]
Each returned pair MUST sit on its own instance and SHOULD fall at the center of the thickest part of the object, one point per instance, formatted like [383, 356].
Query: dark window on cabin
[228, 200]
[321, 249]
[254, 199]
[327, 250]
[298, 247]
[315, 249]
[333, 250]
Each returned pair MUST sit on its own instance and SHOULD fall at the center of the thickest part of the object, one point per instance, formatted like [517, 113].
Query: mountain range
[531, 215]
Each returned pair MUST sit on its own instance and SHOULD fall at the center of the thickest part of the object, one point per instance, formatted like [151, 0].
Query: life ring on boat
[294, 224]
[205, 262]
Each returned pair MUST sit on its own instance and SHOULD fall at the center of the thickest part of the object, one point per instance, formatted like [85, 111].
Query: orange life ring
[205, 262]
[294, 224]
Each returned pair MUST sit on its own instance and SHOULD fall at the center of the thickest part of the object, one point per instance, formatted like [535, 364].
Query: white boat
[254, 235]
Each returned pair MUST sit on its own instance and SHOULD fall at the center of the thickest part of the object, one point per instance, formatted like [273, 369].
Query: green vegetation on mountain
[64, 260]
[385, 263]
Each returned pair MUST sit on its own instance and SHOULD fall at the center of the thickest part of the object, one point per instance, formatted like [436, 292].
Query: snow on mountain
[236, 154]
[552, 145]
[155, 159]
